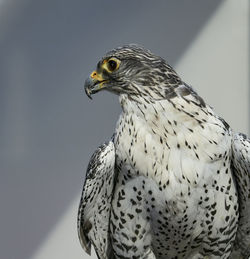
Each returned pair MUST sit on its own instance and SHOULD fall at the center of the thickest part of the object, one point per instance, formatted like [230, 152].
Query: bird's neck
[168, 115]
[156, 113]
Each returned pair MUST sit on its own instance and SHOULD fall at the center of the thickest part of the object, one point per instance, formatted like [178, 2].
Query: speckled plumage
[177, 169]
[95, 203]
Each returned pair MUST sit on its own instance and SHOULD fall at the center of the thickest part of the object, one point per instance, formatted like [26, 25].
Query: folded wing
[95, 203]
[241, 170]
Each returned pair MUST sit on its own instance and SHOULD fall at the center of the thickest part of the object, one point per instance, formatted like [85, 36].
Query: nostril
[93, 74]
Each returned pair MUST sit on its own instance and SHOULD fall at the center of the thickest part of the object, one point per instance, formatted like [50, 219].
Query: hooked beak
[94, 83]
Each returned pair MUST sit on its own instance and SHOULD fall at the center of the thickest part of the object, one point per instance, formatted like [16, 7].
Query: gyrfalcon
[174, 180]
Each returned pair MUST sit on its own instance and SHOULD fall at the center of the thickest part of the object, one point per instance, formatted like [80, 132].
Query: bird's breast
[166, 149]
[182, 171]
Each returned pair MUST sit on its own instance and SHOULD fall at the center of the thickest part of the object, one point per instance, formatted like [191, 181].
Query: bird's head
[132, 70]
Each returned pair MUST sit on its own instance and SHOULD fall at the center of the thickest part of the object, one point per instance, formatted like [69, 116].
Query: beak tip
[87, 91]
[88, 86]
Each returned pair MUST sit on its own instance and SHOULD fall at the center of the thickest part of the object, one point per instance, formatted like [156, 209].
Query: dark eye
[112, 65]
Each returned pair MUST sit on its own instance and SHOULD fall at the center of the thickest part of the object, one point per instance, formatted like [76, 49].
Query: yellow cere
[96, 76]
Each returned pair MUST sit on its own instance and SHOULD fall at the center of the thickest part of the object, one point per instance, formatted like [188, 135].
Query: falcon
[174, 180]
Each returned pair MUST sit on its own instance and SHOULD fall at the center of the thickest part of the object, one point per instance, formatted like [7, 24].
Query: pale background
[49, 128]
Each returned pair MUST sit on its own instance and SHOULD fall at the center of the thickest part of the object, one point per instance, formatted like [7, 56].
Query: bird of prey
[174, 180]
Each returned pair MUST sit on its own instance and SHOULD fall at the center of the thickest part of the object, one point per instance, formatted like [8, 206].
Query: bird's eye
[112, 65]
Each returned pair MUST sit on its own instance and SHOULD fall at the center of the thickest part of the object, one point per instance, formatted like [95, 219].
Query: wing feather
[95, 203]
[241, 170]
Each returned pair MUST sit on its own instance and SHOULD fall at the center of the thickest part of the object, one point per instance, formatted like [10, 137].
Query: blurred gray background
[49, 128]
